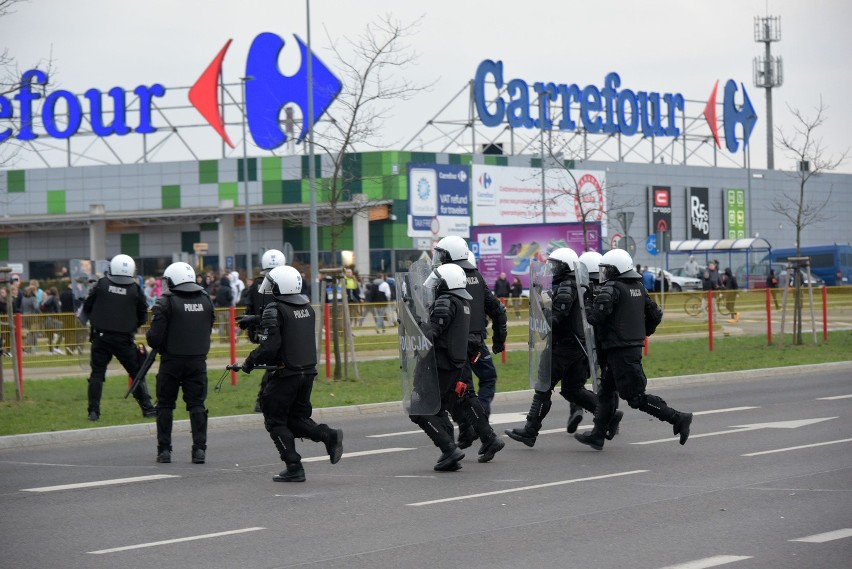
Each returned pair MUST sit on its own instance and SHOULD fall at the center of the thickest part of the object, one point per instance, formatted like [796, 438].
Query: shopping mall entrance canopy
[741, 255]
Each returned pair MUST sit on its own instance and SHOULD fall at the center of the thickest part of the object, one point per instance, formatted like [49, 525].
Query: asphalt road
[764, 481]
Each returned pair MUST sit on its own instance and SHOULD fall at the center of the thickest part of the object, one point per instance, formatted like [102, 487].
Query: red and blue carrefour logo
[267, 91]
[731, 116]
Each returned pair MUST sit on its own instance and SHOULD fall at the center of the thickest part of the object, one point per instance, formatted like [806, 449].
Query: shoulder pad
[269, 318]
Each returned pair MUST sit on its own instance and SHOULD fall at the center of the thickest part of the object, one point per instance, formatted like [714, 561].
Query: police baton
[140, 375]
[237, 367]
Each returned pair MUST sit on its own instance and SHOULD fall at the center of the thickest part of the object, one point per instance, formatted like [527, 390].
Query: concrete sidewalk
[149, 429]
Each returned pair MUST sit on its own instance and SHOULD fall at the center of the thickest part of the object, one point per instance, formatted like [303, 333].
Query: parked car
[757, 277]
[677, 283]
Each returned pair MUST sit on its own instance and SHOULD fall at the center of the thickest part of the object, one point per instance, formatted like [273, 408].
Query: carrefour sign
[609, 109]
[268, 91]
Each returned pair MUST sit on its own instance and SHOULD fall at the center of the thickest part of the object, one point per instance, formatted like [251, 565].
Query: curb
[150, 429]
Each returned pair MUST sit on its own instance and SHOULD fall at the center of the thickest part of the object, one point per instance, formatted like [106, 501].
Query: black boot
[285, 442]
[164, 429]
[681, 426]
[612, 428]
[603, 417]
[334, 444]
[529, 432]
[491, 442]
[293, 473]
[579, 400]
[435, 428]
[143, 398]
[96, 389]
[164, 455]
[574, 418]
[198, 425]
[467, 434]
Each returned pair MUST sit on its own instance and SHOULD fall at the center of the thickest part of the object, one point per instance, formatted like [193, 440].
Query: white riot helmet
[563, 262]
[180, 276]
[285, 283]
[615, 262]
[122, 269]
[271, 259]
[449, 277]
[471, 258]
[592, 261]
[452, 249]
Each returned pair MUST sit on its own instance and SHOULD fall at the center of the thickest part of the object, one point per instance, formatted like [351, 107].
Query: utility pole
[768, 73]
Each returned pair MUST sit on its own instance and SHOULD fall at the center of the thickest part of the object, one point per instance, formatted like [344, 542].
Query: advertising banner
[735, 214]
[698, 214]
[506, 195]
[661, 208]
[511, 249]
[438, 200]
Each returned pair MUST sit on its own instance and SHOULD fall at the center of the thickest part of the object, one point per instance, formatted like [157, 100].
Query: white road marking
[833, 398]
[495, 419]
[714, 561]
[827, 536]
[728, 410]
[524, 488]
[744, 428]
[100, 483]
[797, 448]
[169, 541]
[359, 453]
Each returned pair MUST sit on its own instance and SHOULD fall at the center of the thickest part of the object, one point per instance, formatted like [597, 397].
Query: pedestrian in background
[772, 285]
[515, 293]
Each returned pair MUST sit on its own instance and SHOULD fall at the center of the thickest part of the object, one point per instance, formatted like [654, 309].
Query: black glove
[588, 295]
[498, 347]
[248, 320]
[247, 366]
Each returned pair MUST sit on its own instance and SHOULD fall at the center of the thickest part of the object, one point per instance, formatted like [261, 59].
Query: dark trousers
[190, 376]
[624, 373]
[287, 409]
[486, 373]
[105, 345]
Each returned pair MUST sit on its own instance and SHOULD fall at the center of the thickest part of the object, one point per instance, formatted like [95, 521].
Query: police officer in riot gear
[180, 332]
[447, 329]
[287, 341]
[116, 307]
[625, 315]
[568, 362]
[483, 303]
[592, 261]
[254, 309]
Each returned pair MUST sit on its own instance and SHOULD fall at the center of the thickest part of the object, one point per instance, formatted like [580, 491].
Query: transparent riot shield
[421, 297]
[540, 340]
[582, 274]
[420, 392]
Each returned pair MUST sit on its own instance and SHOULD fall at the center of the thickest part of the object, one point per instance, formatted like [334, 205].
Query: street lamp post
[245, 181]
[314, 237]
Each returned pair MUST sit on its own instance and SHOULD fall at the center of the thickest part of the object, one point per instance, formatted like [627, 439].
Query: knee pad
[636, 402]
[543, 395]
[197, 409]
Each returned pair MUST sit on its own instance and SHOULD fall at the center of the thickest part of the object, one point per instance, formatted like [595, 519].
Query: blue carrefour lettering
[487, 69]
[65, 104]
[605, 110]
[744, 116]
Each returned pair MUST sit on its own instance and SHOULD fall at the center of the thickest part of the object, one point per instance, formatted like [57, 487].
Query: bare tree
[10, 82]
[371, 67]
[811, 158]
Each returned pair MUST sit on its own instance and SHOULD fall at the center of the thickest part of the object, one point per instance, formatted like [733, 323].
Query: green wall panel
[4, 248]
[270, 168]
[272, 191]
[252, 170]
[171, 197]
[130, 244]
[56, 201]
[16, 181]
[208, 172]
[229, 191]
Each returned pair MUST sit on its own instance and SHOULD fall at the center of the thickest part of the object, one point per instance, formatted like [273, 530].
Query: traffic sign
[651, 244]
[200, 248]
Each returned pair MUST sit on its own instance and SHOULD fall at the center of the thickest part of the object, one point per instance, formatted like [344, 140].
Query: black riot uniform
[257, 301]
[447, 330]
[480, 361]
[287, 342]
[116, 307]
[624, 315]
[180, 332]
[566, 358]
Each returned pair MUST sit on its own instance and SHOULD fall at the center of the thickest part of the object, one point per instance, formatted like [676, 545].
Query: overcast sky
[655, 45]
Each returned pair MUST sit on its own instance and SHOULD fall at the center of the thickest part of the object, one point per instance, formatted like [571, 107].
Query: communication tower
[768, 73]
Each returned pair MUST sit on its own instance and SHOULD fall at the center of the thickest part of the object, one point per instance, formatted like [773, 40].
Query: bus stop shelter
[741, 255]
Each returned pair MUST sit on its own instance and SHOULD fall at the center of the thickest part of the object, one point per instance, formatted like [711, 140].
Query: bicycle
[693, 305]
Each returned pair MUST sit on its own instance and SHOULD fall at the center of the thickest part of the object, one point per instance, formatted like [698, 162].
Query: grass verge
[60, 404]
